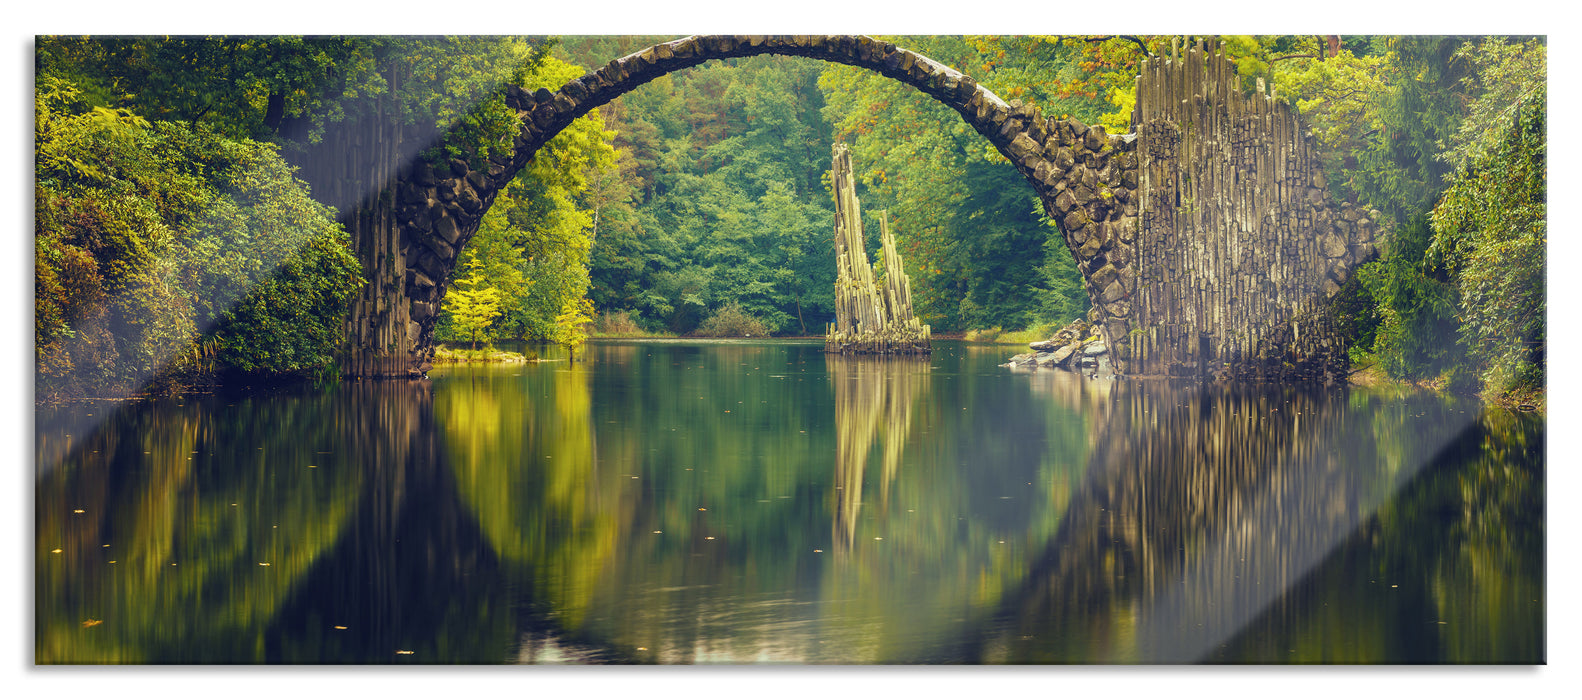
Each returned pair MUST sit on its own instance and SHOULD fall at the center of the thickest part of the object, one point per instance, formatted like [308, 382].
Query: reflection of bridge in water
[1201, 506]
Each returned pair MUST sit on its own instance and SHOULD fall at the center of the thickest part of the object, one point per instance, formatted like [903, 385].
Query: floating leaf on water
[659, 532]
[79, 510]
[112, 561]
[818, 551]
[340, 627]
[313, 466]
[90, 622]
[708, 538]
[54, 551]
[702, 509]
[263, 563]
[403, 651]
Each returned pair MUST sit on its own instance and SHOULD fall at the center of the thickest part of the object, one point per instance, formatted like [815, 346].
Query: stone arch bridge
[1205, 238]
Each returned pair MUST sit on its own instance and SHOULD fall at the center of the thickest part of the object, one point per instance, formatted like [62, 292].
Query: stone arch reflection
[1202, 505]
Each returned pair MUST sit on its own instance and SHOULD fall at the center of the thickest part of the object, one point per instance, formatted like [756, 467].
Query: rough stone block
[1064, 355]
[1074, 221]
[1332, 245]
[449, 189]
[1091, 246]
[421, 311]
[1112, 293]
[469, 201]
[440, 248]
[1023, 146]
[418, 280]
[1094, 140]
[1103, 276]
[446, 228]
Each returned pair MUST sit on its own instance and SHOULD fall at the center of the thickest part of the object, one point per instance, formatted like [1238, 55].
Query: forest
[186, 223]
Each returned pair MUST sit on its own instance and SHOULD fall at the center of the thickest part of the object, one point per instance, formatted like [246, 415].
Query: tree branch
[1140, 44]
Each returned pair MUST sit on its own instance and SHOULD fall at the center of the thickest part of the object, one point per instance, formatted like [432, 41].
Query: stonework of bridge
[1204, 238]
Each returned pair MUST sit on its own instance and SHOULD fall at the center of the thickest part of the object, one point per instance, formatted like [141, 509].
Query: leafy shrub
[616, 324]
[986, 335]
[731, 321]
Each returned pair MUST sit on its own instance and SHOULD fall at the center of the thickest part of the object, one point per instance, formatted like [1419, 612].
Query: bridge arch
[438, 209]
[1205, 240]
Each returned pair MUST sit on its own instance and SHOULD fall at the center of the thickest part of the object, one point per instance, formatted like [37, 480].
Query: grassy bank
[444, 354]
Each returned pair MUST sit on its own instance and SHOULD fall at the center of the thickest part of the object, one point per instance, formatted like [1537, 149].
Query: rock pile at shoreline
[1076, 347]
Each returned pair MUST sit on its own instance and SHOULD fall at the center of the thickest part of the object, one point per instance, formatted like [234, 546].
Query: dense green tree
[1444, 136]
[721, 196]
[473, 305]
[162, 247]
[1490, 226]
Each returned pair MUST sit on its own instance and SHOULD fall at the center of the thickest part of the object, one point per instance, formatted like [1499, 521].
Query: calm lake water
[740, 502]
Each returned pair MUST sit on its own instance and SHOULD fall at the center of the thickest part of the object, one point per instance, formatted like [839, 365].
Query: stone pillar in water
[868, 318]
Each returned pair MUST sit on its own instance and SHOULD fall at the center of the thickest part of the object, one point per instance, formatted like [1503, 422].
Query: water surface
[736, 502]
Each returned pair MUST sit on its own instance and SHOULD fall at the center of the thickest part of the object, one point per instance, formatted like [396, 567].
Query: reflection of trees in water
[873, 397]
[210, 531]
[411, 572]
[244, 529]
[523, 455]
[1202, 505]
[1204, 516]
[1452, 569]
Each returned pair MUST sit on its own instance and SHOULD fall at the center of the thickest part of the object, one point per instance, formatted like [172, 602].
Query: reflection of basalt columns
[868, 319]
[870, 396]
[1199, 509]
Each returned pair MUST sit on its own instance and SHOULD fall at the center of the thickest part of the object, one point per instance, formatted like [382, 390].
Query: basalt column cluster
[870, 317]
[1239, 247]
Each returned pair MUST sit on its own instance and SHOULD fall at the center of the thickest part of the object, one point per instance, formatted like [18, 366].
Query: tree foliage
[161, 247]
[720, 195]
[473, 305]
[1444, 136]
[533, 245]
[732, 321]
[1490, 226]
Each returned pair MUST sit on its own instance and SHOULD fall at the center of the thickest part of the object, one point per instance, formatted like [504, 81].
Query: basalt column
[869, 317]
[1237, 247]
